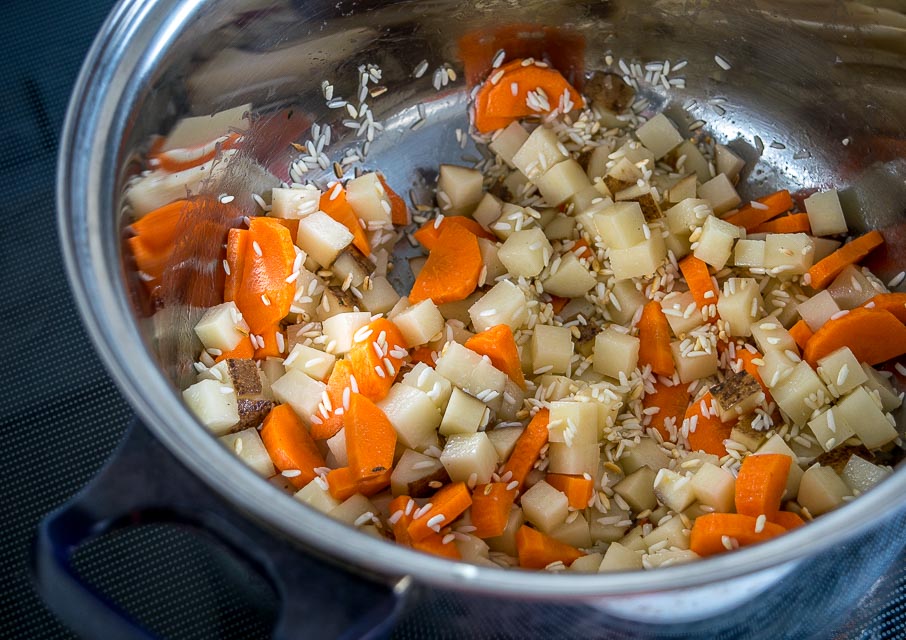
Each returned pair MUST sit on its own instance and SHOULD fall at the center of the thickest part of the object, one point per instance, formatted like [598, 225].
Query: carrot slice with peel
[772, 205]
[323, 427]
[672, 402]
[793, 223]
[709, 432]
[710, 531]
[446, 505]
[760, 484]
[801, 333]
[537, 550]
[654, 336]
[788, 520]
[290, 446]
[873, 335]
[499, 344]
[824, 271]
[429, 233]
[370, 438]
[375, 373]
[491, 504]
[452, 270]
[698, 278]
[893, 302]
[578, 489]
[527, 449]
[263, 295]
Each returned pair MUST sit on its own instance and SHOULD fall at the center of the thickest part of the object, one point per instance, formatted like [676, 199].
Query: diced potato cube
[413, 414]
[669, 557]
[571, 280]
[420, 323]
[561, 181]
[818, 309]
[646, 453]
[525, 252]
[686, 215]
[728, 163]
[716, 243]
[623, 171]
[770, 335]
[673, 490]
[214, 404]
[380, 297]
[633, 540]
[561, 227]
[352, 264]
[867, 419]
[636, 153]
[341, 329]
[749, 253]
[621, 225]
[739, 304]
[368, 198]
[610, 526]
[876, 382]
[426, 379]
[272, 368]
[459, 189]
[316, 364]
[488, 211]
[715, 487]
[544, 506]
[615, 353]
[317, 497]
[623, 301]
[821, 490]
[746, 435]
[776, 444]
[685, 188]
[247, 445]
[673, 532]
[472, 373]
[468, 454]
[719, 193]
[575, 460]
[505, 304]
[473, 549]
[639, 261]
[294, 203]
[464, 414]
[679, 245]
[825, 215]
[597, 162]
[861, 475]
[620, 558]
[222, 327]
[800, 393]
[693, 161]
[824, 247]
[637, 489]
[322, 237]
[589, 563]
[540, 152]
[300, 392]
[659, 135]
[412, 473]
[777, 365]
[831, 429]
[508, 141]
[788, 253]
[551, 348]
[693, 367]
[504, 440]
[573, 423]
[841, 372]
[353, 509]
[574, 533]
[337, 446]
[738, 394]
[490, 258]
[851, 288]
[682, 312]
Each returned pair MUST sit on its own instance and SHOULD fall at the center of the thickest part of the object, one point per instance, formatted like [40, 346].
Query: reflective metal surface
[813, 99]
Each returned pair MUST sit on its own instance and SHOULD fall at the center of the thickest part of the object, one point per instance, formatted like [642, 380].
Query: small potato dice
[294, 203]
[861, 475]
[561, 181]
[821, 490]
[573, 423]
[507, 142]
[714, 487]
[693, 367]
[818, 309]
[694, 161]
[353, 508]
[544, 506]
[551, 348]
[413, 473]
[490, 258]
[322, 237]
[573, 460]
[426, 379]
[341, 329]
[464, 414]
[659, 135]
[413, 414]
[459, 190]
[875, 382]
[686, 215]
[575, 533]
[646, 453]
[352, 264]
[214, 404]
[728, 163]
[685, 188]
[738, 394]
[247, 445]
[368, 199]
[561, 227]
[869, 422]
[615, 353]
[719, 193]
[504, 440]
[620, 558]
[300, 392]
[525, 252]
[488, 211]
[831, 429]
[540, 152]
[788, 253]
[621, 225]
[739, 304]
[222, 327]
[637, 489]
[851, 288]
[623, 301]
[472, 373]
[468, 454]
[682, 312]
[825, 215]
[571, 280]
[841, 371]
[317, 364]
[639, 261]
[716, 243]
[337, 446]
[420, 323]
[317, 497]
[800, 393]
[673, 532]
[505, 304]
[380, 297]
[749, 253]
[673, 490]
[770, 335]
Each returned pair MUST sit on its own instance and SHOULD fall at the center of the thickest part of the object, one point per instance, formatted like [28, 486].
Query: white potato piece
[504, 440]
[800, 393]
[317, 364]
[825, 215]
[544, 506]
[468, 454]
[624, 170]
[714, 487]
[573, 460]
[573, 423]
[777, 365]
[597, 162]
[222, 327]
[464, 414]
[621, 225]
[342, 327]
[694, 367]
[575, 533]
[841, 371]
[682, 312]
[686, 215]
[300, 392]
[160, 187]
[620, 558]
[693, 161]
[646, 453]
[615, 353]
[525, 252]
[214, 404]
[821, 490]
[824, 247]
[770, 335]
[380, 297]
[668, 558]
[249, 448]
[490, 258]
[317, 497]
[636, 152]
[719, 193]
[561, 227]
[589, 563]
[294, 203]
[572, 279]
[413, 414]
[861, 475]
[830, 428]
[623, 301]
[473, 373]
[788, 253]
[639, 261]
[818, 309]
[322, 237]
[867, 419]
[673, 532]
[337, 446]
[420, 323]
[459, 189]
[673, 490]
[561, 181]
[851, 288]
[539, 152]
[412, 473]
[728, 163]
[684, 188]
[488, 211]
[505, 304]
[551, 348]
[637, 489]
[508, 141]
[739, 304]
[426, 379]
[354, 509]
[877, 383]
[749, 253]
[716, 243]
[776, 444]
[659, 135]
[368, 199]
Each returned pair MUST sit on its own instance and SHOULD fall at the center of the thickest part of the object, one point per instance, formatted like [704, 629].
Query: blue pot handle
[144, 483]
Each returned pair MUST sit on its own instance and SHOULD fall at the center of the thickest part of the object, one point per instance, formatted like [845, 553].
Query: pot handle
[144, 483]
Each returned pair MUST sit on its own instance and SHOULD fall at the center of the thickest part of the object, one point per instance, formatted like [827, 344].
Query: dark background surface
[61, 416]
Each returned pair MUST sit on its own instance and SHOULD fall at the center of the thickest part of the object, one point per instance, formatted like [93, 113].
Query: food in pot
[606, 360]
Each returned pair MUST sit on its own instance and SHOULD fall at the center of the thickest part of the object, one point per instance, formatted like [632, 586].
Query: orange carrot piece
[893, 302]
[423, 354]
[793, 223]
[370, 438]
[751, 217]
[399, 519]
[435, 545]
[373, 376]
[801, 333]
[698, 278]
[873, 335]
[451, 272]
[291, 224]
[654, 334]
[242, 351]
[557, 304]
[399, 212]
[582, 249]
[788, 520]
[158, 229]
[578, 489]
[149, 262]
[271, 348]
[760, 484]
[447, 505]
[528, 448]
[672, 402]
[537, 550]
[263, 295]
[429, 233]
[710, 432]
[321, 427]
[490, 510]
[338, 208]
[498, 344]
[824, 271]
[709, 530]
[343, 484]
[237, 250]
[290, 446]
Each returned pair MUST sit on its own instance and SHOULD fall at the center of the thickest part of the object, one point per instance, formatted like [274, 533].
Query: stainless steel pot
[813, 99]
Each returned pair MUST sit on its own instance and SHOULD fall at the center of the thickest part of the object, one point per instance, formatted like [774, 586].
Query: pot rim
[134, 35]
